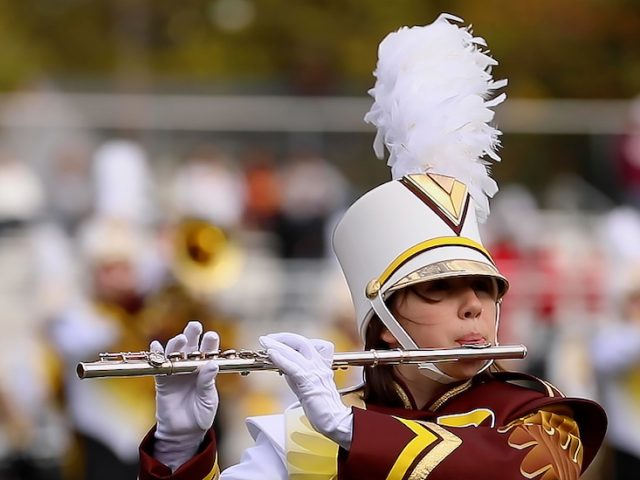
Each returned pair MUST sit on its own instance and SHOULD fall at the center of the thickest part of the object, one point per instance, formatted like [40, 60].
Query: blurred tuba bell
[206, 259]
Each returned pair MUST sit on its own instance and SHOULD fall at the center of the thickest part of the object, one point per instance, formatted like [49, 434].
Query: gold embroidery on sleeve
[555, 446]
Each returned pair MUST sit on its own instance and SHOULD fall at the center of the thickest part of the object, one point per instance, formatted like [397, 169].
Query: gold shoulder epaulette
[354, 397]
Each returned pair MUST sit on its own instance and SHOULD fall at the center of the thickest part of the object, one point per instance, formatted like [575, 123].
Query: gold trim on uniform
[423, 439]
[406, 401]
[473, 418]
[552, 389]
[214, 474]
[441, 451]
[446, 442]
[451, 393]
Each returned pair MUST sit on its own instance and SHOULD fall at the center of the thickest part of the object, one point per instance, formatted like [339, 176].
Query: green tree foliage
[558, 48]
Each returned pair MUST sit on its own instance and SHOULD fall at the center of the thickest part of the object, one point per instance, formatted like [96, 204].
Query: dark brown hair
[379, 381]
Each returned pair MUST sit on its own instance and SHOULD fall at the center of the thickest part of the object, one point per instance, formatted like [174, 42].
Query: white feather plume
[433, 97]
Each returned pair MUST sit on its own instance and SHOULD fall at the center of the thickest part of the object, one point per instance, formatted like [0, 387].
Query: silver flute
[138, 364]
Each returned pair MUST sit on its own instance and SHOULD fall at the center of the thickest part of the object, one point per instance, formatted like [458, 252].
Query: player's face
[449, 313]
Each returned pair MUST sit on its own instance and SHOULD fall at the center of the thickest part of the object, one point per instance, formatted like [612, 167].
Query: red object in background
[263, 195]
[539, 280]
[509, 260]
[551, 285]
[533, 284]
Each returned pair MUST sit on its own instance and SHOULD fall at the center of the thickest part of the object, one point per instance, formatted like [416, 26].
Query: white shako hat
[401, 233]
[431, 110]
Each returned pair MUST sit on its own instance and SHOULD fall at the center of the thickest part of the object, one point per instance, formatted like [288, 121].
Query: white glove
[186, 404]
[307, 368]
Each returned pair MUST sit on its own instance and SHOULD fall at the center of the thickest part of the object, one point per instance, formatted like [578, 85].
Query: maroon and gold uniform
[495, 426]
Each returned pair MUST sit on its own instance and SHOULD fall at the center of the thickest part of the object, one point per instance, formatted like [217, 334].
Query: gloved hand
[307, 368]
[186, 404]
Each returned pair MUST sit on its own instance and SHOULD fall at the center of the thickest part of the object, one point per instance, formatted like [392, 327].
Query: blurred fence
[278, 113]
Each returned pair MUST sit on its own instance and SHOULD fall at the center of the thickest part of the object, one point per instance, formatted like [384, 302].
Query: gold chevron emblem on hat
[447, 194]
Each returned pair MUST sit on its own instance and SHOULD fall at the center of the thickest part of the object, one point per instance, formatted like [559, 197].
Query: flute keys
[123, 357]
[248, 354]
[156, 358]
[176, 356]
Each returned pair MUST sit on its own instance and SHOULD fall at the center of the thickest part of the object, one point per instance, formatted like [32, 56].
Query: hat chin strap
[429, 370]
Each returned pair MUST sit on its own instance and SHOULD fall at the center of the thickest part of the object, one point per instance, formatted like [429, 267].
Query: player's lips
[472, 339]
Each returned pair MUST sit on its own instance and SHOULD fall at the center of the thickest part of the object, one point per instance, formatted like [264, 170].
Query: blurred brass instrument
[206, 259]
[136, 364]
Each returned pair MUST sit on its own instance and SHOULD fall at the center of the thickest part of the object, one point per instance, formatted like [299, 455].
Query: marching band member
[106, 309]
[419, 276]
[615, 353]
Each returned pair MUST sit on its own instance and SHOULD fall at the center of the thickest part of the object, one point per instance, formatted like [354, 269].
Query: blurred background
[166, 161]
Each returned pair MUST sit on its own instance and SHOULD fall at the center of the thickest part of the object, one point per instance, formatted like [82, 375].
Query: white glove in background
[307, 367]
[185, 404]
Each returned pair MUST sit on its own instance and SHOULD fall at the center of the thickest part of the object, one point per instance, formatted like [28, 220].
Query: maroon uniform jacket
[493, 427]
